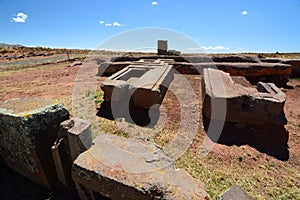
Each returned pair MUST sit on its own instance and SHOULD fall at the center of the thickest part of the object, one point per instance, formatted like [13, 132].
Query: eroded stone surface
[120, 168]
[295, 63]
[237, 115]
[28, 128]
[250, 67]
[260, 106]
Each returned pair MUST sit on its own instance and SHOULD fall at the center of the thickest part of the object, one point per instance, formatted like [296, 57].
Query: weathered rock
[75, 64]
[120, 168]
[162, 47]
[248, 66]
[295, 65]
[260, 106]
[174, 53]
[237, 59]
[74, 138]
[28, 128]
[235, 192]
[145, 83]
[192, 59]
[254, 72]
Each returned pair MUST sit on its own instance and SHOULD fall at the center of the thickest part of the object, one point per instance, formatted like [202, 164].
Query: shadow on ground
[131, 113]
[15, 186]
[269, 139]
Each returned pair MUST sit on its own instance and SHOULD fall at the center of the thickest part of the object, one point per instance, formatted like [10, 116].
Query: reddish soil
[51, 83]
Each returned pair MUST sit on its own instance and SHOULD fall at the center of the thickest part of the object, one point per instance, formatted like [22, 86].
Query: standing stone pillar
[162, 47]
[74, 138]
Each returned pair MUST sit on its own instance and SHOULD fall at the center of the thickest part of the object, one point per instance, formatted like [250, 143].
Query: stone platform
[259, 106]
[145, 83]
[239, 114]
[120, 168]
[251, 67]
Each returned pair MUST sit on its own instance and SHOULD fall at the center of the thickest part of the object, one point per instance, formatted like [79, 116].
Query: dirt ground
[261, 175]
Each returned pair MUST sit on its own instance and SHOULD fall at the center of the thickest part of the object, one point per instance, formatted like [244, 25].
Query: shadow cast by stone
[244, 115]
[269, 139]
[131, 113]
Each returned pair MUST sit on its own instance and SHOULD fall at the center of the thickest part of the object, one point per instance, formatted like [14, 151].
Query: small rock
[75, 64]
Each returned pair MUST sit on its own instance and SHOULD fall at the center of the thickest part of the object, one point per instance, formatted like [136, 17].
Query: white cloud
[214, 48]
[245, 12]
[20, 18]
[117, 24]
[154, 3]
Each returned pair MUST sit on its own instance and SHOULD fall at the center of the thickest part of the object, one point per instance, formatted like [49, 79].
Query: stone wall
[28, 129]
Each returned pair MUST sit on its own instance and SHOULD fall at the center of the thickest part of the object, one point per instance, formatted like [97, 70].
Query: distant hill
[4, 45]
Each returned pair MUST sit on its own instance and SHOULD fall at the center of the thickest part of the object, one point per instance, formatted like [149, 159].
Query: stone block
[162, 47]
[122, 168]
[74, 138]
[261, 106]
[145, 84]
[28, 129]
[235, 192]
[295, 63]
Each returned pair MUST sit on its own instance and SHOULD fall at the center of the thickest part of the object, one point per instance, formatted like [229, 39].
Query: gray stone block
[121, 168]
[28, 129]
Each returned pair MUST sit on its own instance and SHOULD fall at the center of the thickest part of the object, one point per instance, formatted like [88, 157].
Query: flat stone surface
[235, 192]
[28, 129]
[295, 63]
[25, 105]
[242, 104]
[145, 83]
[120, 168]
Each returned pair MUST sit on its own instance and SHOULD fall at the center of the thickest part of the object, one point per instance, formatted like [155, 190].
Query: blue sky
[214, 25]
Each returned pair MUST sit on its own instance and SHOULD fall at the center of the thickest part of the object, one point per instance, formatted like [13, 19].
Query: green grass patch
[218, 177]
[296, 78]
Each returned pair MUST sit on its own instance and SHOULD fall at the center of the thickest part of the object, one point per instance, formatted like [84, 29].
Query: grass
[259, 181]
[296, 78]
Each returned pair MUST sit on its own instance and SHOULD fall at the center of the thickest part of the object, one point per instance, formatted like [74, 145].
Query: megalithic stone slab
[145, 83]
[162, 47]
[260, 106]
[295, 63]
[276, 73]
[122, 168]
[28, 129]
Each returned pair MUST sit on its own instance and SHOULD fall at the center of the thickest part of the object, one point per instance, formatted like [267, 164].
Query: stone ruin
[145, 82]
[41, 142]
[250, 67]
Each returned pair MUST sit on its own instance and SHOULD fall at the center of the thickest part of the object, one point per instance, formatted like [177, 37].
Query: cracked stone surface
[122, 168]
